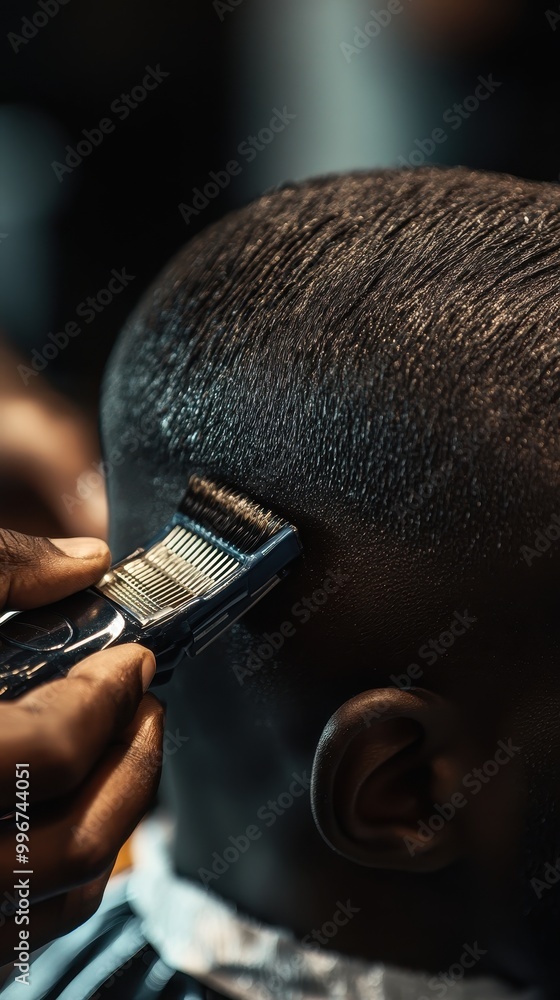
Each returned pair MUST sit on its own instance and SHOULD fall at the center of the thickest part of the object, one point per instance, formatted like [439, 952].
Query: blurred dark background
[368, 88]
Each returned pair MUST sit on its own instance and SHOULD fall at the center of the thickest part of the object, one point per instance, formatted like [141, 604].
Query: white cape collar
[196, 932]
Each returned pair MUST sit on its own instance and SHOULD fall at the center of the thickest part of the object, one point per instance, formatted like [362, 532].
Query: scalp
[335, 345]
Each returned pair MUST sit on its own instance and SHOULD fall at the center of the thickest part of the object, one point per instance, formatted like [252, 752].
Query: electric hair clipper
[220, 554]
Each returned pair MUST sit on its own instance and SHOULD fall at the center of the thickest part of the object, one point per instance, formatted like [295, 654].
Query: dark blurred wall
[118, 208]
[449, 44]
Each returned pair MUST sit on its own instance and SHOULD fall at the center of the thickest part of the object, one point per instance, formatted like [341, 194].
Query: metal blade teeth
[183, 565]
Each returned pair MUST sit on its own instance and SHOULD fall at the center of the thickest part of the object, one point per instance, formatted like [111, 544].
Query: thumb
[35, 571]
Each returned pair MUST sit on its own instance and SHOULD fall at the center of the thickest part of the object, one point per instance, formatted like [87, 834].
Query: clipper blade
[219, 542]
[229, 515]
[169, 573]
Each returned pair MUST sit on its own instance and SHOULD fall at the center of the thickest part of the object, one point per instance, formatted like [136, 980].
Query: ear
[386, 779]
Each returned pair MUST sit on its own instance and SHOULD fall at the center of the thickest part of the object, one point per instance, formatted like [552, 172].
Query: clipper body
[218, 556]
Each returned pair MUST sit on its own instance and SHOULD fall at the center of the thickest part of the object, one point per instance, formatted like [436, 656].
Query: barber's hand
[91, 743]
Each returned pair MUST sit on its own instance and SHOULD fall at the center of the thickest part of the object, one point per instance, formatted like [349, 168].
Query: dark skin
[88, 745]
[420, 899]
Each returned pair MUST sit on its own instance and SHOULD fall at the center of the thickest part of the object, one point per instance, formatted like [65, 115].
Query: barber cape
[160, 937]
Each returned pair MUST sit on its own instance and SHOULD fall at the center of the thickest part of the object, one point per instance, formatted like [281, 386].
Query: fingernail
[81, 548]
[148, 668]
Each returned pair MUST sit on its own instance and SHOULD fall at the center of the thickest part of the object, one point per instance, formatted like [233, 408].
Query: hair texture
[383, 345]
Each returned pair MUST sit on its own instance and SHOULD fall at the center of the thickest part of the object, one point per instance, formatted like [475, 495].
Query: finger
[62, 728]
[76, 841]
[35, 571]
[54, 917]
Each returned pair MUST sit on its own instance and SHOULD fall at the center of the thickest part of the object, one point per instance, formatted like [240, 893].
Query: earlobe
[384, 780]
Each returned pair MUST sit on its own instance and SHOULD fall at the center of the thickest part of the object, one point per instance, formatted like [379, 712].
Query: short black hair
[385, 342]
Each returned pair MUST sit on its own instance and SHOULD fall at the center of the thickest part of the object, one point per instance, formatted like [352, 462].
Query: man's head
[376, 358]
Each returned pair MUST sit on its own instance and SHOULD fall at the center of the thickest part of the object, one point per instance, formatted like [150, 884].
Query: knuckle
[156, 712]
[148, 761]
[17, 549]
[108, 676]
[146, 750]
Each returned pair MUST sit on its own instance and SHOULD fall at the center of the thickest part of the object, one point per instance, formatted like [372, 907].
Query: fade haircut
[379, 345]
